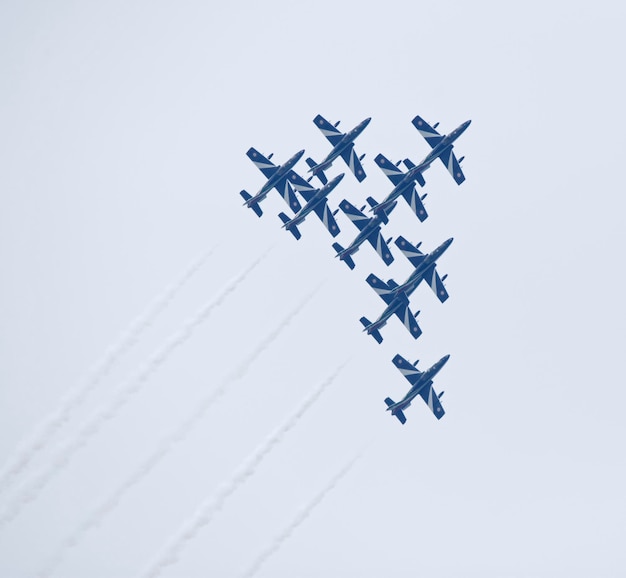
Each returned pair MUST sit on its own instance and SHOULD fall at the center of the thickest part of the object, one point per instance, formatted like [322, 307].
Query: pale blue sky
[123, 131]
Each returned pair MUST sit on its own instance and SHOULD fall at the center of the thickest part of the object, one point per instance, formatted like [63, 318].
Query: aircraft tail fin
[342, 255]
[374, 332]
[398, 413]
[293, 229]
[254, 206]
[320, 174]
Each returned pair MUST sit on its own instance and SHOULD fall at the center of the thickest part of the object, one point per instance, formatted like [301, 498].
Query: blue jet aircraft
[397, 304]
[369, 230]
[397, 296]
[316, 201]
[404, 185]
[442, 147]
[343, 145]
[421, 384]
[279, 177]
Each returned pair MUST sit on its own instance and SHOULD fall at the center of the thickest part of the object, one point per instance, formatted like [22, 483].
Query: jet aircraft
[397, 296]
[421, 384]
[397, 304]
[404, 185]
[369, 230]
[441, 147]
[280, 177]
[343, 145]
[316, 201]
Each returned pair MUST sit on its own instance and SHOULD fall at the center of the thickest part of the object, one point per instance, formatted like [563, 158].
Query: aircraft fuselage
[318, 197]
[281, 173]
[346, 141]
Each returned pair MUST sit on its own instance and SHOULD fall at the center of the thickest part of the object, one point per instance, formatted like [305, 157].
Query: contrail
[170, 442]
[43, 434]
[209, 508]
[300, 517]
[30, 490]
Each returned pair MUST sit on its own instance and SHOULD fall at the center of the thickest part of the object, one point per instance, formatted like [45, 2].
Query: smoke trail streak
[51, 424]
[300, 517]
[170, 442]
[31, 489]
[209, 508]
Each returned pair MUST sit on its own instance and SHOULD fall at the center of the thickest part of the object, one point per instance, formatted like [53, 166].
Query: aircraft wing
[412, 197]
[323, 211]
[409, 321]
[382, 289]
[306, 189]
[432, 401]
[286, 192]
[393, 172]
[376, 240]
[410, 372]
[452, 164]
[356, 216]
[436, 284]
[354, 164]
[328, 130]
[433, 138]
[267, 167]
[411, 252]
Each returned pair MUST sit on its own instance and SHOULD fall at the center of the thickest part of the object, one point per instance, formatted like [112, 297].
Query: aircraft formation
[396, 296]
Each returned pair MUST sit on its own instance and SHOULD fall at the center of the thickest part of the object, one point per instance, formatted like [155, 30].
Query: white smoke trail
[204, 515]
[30, 490]
[300, 517]
[167, 444]
[51, 424]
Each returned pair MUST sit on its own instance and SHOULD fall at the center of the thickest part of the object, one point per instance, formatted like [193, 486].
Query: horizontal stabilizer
[292, 229]
[343, 256]
[254, 206]
[321, 175]
[374, 332]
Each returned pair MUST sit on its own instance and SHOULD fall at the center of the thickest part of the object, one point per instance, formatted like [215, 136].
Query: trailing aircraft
[404, 185]
[421, 384]
[397, 296]
[369, 230]
[397, 304]
[280, 177]
[316, 201]
[343, 145]
[441, 147]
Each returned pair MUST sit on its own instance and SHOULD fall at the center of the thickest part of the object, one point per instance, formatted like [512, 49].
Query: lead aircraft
[421, 384]
[316, 201]
[397, 296]
[343, 145]
[369, 230]
[441, 147]
[279, 177]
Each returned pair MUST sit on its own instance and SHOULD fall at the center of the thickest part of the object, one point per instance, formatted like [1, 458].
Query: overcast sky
[177, 376]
